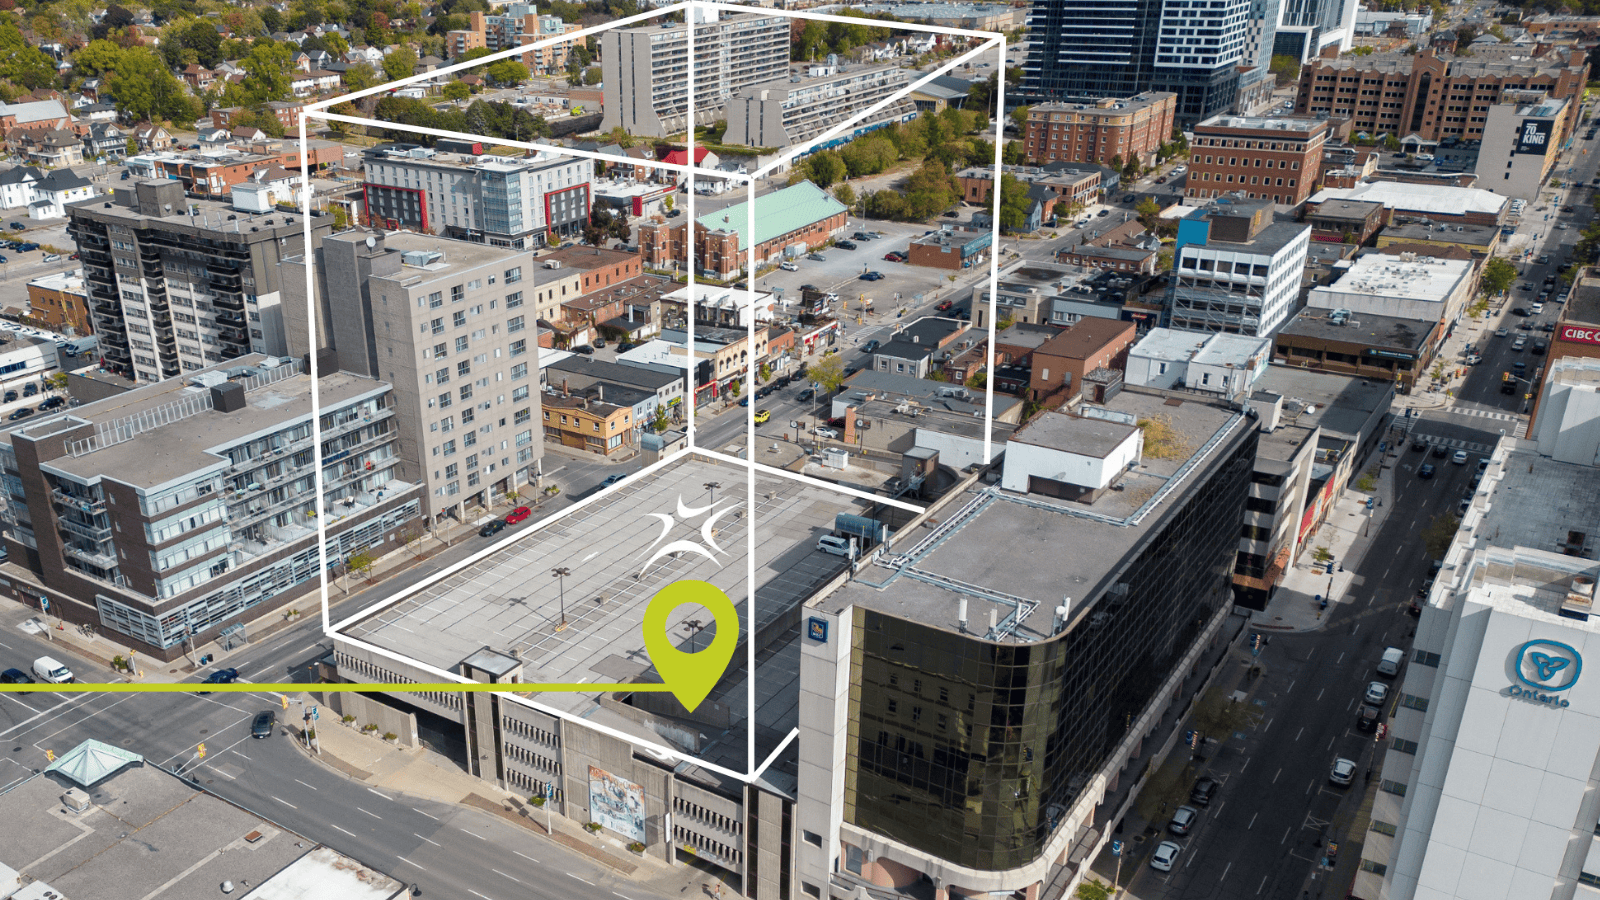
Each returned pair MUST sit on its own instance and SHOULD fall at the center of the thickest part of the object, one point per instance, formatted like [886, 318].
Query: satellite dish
[371, 242]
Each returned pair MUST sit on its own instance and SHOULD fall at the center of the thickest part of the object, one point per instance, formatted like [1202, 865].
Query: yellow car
[762, 415]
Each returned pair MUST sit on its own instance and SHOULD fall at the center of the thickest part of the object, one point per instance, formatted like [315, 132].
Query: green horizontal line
[517, 687]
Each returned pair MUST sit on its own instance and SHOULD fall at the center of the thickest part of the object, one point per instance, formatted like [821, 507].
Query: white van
[834, 544]
[51, 670]
[1390, 663]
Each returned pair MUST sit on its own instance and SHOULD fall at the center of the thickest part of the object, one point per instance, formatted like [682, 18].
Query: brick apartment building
[801, 215]
[1132, 128]
[1274, 159]
[286, 111]
[1061, 363]
[1431, 96]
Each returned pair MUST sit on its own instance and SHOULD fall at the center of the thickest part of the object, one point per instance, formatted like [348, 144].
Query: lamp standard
[692, 626]
[712, 487]
[560, 574]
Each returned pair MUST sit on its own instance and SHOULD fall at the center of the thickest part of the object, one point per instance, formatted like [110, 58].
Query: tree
[1147, 211]
[400, 63]
[360, 563]
[1498, 276]
[660, 421]
[826, 168]
[455, 90]
[620, 136]
[1092, 890]
[1020, 117]
[827, 374]
[20, 61]
[929, 190]
[359, 77]
[508, 72]
[145, 89]
[97, 58]
[55, 382]
[1440, 532]
[267, 67]
[668, 203]
[1285, 69]
[845, 194]
[1012, 153]
[1014, 203]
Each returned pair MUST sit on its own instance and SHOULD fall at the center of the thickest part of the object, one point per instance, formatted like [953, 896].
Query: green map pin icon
[691, 676]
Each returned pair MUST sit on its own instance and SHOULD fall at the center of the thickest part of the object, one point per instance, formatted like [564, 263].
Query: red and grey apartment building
[1433, 96]
[1100, 131]
[1276, 158]
[503, 201]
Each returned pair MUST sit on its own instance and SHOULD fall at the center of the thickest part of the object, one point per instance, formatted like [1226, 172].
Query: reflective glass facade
[974, 751]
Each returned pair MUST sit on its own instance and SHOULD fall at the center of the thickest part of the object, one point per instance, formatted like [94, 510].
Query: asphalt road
[1261, 837]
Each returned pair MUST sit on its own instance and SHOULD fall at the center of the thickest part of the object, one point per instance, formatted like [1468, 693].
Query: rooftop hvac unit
[76, 800]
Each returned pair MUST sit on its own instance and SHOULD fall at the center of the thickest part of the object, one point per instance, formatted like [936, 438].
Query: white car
[1343, 771]
[1377, 692]
[825, 432]
[1501, 332]
[1165, 856]
[788, 267]
[1460, 458]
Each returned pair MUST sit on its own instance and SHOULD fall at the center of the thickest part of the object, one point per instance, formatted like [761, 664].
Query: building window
[1393, 787]
[1404, 746]
[1411, 701]
[1425, 658]
[1376, 868]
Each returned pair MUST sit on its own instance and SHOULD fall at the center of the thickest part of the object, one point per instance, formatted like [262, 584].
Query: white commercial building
[1568, 425]
[1236, 270]
[1419, 288]
[1220, 363]
[1429, 200]
[1490, 770]
[1079, 450]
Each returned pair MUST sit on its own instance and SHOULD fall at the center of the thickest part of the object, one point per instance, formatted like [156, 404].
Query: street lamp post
[712, 487]
[560, 573]
[692, 626]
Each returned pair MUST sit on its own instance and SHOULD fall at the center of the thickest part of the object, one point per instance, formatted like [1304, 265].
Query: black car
[846, 245]
[952, 214]
[871, 346]
[808, 287]
[1419, 444]
[263, 724]
[1539, 348]
[492, 529]
[28, 390]
[1441, 450]
[862, 236]
[1367, 719]
[585, 349]
[1204, 790]
[625, 346]
[11, 396]
[1520, 311]
[54, 402]
[220, 676]
[1103, 213]
[15, 676]
[17, 226]
[599, 342]
[612, 479]
[22, 413]
[1425, 472]
[872, 276]
[1129, 198]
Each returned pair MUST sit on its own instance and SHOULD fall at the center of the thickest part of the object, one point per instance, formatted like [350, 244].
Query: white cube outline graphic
[320, 110]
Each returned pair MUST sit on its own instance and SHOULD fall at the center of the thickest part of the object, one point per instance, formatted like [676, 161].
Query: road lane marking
[589, 883]
[1225, 870]
[623, 896]
[1275, 776]
[1285, 836]
[1266, 726]
[285, 803]
[435, 818]
[476, 894]
[525, 856]
[1245, 766]
[1355, 628]
[374, 815]
[1263, 885]
[1300, 732]
[478, 836]
[237, 753]
[351, 833]
[411, 864]
[307, 785]
[1319, 693]
[504, 875]
[435, 843]
[1252, 821]
[380, 794]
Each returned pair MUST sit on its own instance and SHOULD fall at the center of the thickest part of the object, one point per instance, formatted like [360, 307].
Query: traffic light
[200, 751]
[285, 699]
[50, 755]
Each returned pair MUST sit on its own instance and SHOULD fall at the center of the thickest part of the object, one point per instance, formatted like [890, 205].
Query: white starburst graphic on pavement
[709, 549]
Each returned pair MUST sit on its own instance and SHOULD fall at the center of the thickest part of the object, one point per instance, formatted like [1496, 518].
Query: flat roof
[583, 257]
[1584, 303]
[1366, 329]
[1001, 542]
[456, 255]
[1568, 500]
[1477, 235]
[1268, 240]
[1117, 106]
[1262, 123]
[645, 376]
[1351, 209]
[1381, 275]
[147, 834]
[1427, 198]
[1077, 434]
[497, 604]
[188, 444]
[1172, 344]
[1341, 404]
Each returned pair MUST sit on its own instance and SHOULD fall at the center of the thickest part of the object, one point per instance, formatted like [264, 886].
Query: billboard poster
[1534, 136]
[616, 804]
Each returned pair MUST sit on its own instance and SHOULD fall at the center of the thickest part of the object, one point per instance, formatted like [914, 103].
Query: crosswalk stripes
[1483, 413]
[1459, 444]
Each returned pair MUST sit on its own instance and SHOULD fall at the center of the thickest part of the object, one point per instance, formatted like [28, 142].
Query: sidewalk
[422, 774]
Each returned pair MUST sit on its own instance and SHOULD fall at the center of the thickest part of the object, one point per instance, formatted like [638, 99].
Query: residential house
[920, 347]
[44, 194]
[54, 148]
[152, 137]
[107, 140]
[212, 136]
[198, 77]
[317, 81]
[96, 112]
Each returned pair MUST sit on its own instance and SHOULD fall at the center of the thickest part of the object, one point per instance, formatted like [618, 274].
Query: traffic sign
[1116, 848]
[316, 712]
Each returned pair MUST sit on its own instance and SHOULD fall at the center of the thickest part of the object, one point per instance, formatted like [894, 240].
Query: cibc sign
[1581, 334]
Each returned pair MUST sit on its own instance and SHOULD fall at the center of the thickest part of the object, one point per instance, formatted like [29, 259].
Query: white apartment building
[451, 325]
[1419, 288]
[814, 99]
[646, 69]
[503, 201]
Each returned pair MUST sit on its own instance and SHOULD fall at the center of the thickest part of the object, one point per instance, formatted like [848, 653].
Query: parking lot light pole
[560, 573]
[712, 487]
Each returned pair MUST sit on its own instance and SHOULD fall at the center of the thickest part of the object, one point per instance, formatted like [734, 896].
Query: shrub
[390, 736]
[348, 719]
[636, 847]
[592, 827]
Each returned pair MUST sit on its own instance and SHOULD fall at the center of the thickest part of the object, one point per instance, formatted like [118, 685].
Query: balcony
[92, 557]
[229, 300]
[115, 339]
[94, 533]
[80, 502]
[227, 318]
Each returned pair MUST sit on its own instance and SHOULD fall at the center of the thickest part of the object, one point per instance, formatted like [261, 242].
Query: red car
[517, 515]
[945, 306]
[894, 257]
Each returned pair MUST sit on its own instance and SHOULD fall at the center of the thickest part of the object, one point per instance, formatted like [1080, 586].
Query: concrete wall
[369, 712]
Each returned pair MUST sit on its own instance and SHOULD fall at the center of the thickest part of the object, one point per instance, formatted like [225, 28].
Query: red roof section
[681, 157]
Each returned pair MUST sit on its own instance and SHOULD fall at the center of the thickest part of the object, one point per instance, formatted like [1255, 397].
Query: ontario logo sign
[1545, 669]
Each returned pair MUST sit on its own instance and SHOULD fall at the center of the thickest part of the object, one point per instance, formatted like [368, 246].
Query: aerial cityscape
[863, 450]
